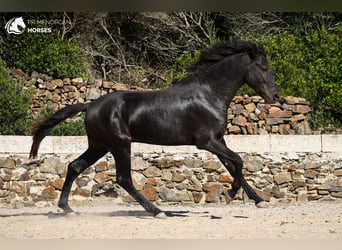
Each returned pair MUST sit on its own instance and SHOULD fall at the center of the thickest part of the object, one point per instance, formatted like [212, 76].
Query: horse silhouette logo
[15, 26]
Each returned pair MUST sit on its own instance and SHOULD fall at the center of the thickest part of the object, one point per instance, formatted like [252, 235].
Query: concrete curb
[238, 143]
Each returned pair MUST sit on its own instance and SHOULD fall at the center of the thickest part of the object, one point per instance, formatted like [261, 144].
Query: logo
[15, 26]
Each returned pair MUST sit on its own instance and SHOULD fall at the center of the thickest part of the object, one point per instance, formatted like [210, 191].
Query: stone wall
[246, 115]
[176, 174]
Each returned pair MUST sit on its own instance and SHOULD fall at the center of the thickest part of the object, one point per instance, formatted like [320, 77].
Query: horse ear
[253, 52]
[256, 50]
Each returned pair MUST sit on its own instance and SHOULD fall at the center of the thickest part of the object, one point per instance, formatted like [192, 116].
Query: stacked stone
[251, 115]
[188, 178]
[61, 92]
[246, 115]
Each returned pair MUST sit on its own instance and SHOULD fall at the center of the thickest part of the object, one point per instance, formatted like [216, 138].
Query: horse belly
[161, 130]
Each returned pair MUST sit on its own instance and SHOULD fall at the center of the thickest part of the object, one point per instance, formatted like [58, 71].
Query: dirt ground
[105, 220]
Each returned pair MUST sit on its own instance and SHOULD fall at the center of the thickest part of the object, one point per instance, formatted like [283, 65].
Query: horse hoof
[228, 199]
[262, 204]
[161, 215]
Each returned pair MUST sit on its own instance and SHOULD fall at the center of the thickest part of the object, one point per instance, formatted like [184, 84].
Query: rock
[275, 121]
[266, 196]
[121, 86]
[302, 196]
[139, 180]
[298, 117]
[177, 177]
[199, 197]
[77, 80]
[50, 85]
[82, 192]
[240, 121]
[57, 82]
[237, 109]
[282, 178]
[152, 171]
[17, 187]
[150, 193]
[167, 194]
[338, 172]
[138, 163]
[152, 182]
[250, 107]
[273, 110]
[285, 129]
[194, 185]
[277, 193]
[57, 183]
[336, 194]
[193, 163]
[331, 183]
[101, 177]
[93, 93]
[226, 179]
[252, 163]
[55, 98]
[310, 173]
[303, 128]
[7, 163]
[82, 182]
[213, 191]
[166, 176]
[52, 165]
[234, 130]
[101, 166]
[211, 166]
[301, 109]
[49, 193]
[280, 114]
[296, 184]
[107, 84]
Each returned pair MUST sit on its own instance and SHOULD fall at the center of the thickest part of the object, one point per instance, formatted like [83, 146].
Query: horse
[192, 111]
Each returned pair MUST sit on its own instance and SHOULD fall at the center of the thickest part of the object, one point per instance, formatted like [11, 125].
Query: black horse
[193, 111]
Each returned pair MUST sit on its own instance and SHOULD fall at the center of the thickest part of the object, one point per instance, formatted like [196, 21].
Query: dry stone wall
[246, 115]
[174, 177]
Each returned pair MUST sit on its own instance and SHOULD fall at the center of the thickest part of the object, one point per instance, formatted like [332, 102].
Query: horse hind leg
[122, 158]
[75, 168]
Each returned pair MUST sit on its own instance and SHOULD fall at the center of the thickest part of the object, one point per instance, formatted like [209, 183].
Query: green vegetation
[155, 49]
[310, 66]
[45, 53]
[72, 126]
[15, 104]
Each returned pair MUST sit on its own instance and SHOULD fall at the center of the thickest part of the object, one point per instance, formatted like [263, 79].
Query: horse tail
[41, 129]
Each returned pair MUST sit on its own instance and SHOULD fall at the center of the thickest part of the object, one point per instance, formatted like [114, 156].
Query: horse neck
[227, 77]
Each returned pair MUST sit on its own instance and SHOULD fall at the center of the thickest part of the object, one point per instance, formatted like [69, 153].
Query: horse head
[259, 75]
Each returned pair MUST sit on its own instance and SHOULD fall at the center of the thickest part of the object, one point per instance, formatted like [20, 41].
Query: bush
[310, 66]
[70, 127]
[15, 104]
[44, 53]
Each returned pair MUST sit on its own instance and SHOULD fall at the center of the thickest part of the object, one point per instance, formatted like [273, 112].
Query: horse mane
[221, 50]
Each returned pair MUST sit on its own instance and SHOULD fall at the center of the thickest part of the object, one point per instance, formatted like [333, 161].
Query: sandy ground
[104, 220]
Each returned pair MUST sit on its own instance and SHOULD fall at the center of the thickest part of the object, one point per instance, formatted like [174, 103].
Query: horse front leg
[233, 164]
